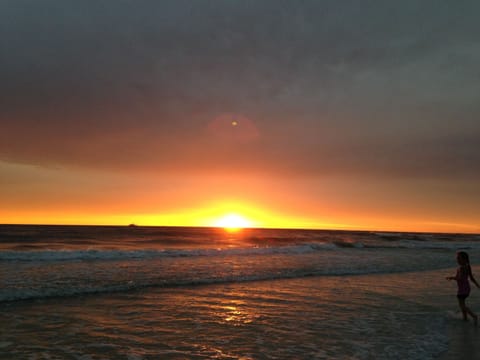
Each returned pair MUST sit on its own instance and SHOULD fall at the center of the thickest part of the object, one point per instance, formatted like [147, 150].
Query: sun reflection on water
[236, 315]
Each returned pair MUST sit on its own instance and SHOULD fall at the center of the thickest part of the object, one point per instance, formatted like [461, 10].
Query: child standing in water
[464, 271]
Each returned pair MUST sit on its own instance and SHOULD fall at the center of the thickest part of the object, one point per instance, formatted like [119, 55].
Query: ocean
[112, 292]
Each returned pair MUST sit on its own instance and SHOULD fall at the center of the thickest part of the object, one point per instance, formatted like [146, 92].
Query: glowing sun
[233, 222]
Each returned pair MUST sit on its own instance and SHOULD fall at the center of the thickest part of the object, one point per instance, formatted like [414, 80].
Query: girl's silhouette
[464, 272]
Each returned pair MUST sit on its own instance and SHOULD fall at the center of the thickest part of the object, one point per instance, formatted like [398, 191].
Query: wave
[85, 288]
[399, 236]
[94, 254]
[106, 254]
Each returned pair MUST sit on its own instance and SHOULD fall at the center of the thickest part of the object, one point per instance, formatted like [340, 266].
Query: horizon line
[133, 225]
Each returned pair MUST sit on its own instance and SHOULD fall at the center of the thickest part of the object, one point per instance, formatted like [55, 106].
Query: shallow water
[355, 317]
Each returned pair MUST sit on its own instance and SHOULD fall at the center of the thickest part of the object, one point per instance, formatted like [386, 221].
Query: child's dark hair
[464, 256]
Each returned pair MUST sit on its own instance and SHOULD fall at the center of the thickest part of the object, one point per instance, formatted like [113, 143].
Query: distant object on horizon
[132, 225]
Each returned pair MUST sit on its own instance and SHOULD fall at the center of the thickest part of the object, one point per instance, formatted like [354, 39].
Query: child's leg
[466, 310]
[472, 314]
[463, 307]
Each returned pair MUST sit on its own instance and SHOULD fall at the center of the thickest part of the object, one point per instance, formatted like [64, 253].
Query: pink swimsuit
[462, 280]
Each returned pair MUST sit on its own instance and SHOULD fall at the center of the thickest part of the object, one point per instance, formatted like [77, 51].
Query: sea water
[71, 292]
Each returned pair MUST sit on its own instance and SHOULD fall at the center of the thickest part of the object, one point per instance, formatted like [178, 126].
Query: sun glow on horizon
[233, 222]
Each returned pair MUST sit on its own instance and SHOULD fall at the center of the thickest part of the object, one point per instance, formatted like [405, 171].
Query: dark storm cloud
[379, 87]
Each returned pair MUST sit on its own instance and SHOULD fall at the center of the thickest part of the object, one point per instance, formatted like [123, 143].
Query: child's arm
[453, 277]
[472, 278]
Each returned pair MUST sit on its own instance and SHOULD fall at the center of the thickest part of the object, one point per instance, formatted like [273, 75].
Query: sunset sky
[315, 114]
